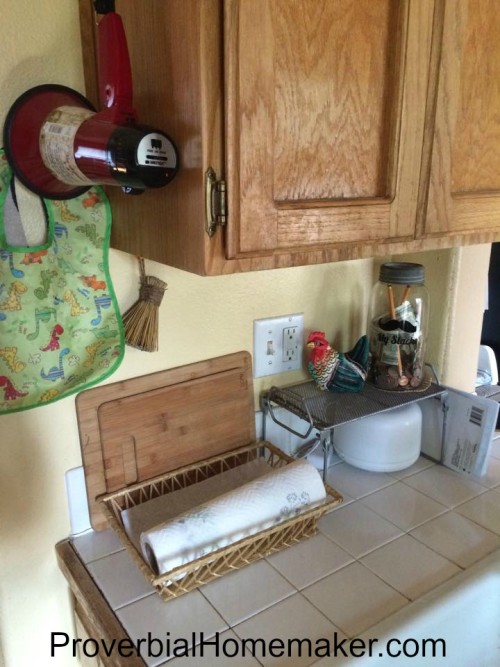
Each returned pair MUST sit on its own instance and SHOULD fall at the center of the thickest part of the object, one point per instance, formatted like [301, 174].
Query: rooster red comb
[316, 336]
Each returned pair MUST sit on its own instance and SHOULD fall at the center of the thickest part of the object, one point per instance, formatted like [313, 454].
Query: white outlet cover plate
[269, 352]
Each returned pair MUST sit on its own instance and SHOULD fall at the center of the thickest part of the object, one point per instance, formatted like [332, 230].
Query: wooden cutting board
[136, 429]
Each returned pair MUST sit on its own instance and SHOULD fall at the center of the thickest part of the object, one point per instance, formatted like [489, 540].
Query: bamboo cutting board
[134, 430]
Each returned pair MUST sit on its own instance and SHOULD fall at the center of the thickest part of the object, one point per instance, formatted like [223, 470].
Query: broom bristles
[140, 321]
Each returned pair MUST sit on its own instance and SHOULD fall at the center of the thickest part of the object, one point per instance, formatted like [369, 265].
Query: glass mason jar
[397, 327]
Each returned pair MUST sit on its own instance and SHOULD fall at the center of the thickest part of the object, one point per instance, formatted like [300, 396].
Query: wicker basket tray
[200, 571]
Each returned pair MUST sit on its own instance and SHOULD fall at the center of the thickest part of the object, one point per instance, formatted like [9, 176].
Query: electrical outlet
[277, 344]
[291, 342]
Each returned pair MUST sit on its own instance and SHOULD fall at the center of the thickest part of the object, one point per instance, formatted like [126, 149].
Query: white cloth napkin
[255, 506]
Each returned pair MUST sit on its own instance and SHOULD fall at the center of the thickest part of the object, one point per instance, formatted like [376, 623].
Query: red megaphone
[58, 145]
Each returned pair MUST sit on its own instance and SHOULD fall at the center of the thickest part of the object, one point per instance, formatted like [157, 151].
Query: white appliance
[384, 442]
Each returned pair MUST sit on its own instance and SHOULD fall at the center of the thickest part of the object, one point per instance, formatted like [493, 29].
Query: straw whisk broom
[140, 321]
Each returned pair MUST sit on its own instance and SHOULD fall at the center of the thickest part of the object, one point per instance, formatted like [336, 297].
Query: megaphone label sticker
[156, 150]
[56, 143]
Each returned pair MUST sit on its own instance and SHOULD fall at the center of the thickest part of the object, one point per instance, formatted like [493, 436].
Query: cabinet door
[464, 192]
[325, 110]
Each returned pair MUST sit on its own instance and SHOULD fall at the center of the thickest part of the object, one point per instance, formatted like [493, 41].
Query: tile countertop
[395, 537]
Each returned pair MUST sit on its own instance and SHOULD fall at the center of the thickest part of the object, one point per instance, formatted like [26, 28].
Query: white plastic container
[384, 442]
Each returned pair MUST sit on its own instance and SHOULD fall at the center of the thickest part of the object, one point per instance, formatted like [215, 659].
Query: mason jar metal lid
[402, 273]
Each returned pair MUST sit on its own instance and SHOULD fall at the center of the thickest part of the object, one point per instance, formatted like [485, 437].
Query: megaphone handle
[104, 6]
[115, 74]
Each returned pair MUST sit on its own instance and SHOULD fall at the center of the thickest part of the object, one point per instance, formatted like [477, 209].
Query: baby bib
[60, 326]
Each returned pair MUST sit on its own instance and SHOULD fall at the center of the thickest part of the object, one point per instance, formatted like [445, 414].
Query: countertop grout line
[463, 568]
[382, 544]
[231, 627]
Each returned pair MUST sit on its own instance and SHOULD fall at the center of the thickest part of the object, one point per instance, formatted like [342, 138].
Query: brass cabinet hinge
[215, 202]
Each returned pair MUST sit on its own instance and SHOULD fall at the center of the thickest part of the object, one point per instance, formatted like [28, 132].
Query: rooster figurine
[337, 371]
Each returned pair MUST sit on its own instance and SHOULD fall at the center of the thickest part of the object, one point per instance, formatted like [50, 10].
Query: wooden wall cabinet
[464, 189]
[341, 128]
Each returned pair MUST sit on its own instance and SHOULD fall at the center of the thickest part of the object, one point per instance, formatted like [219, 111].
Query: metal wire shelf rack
[323, 410]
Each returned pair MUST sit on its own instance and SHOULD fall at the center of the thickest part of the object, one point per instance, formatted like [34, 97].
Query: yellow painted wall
[200, 318]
